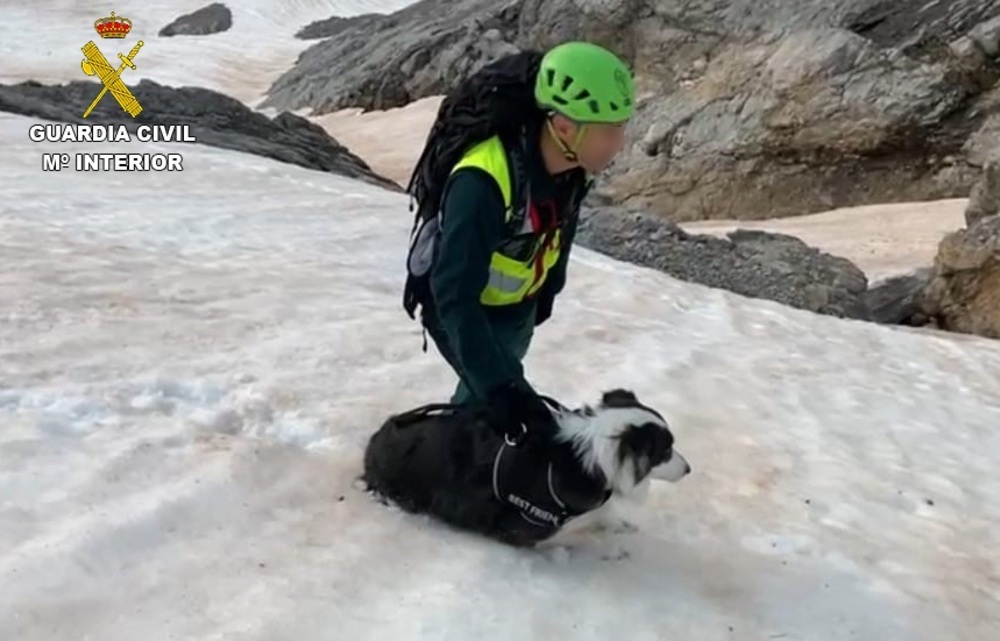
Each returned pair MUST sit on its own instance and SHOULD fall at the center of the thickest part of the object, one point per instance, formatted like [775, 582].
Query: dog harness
[542, 480]
[545, 500]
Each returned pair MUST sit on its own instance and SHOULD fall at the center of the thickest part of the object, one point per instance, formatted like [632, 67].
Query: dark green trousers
[512, 328]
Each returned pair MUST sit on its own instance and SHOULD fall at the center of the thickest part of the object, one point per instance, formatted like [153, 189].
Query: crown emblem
[112, 26]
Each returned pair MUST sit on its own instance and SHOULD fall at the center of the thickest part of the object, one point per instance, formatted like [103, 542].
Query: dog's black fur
[442, 464]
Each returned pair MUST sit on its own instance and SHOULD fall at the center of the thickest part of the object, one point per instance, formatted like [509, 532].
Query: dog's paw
[615, 526]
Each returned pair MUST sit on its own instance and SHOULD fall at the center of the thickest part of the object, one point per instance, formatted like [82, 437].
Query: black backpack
[496, 100]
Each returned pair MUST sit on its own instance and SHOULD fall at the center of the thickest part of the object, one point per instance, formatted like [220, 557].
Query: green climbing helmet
[585, 83]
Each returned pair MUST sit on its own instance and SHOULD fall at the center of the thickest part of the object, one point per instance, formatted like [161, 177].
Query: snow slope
[191, 364]
[41, 40]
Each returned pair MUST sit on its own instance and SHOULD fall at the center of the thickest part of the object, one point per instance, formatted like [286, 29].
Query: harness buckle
[515, 441]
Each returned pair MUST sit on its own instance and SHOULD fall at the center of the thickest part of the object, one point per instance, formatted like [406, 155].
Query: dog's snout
[674, 469]
[683, 462]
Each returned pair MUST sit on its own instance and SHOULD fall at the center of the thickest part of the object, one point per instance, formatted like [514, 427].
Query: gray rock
[987, 36]
[984, 201]
[215, 119]
[898, 300]
[921, 27]
[749, 108]
[213, 18]
[332, 27]
[983, 144]
[817, 119]
[380, 62]
[964, 295]
[758, 264]
[421, 50]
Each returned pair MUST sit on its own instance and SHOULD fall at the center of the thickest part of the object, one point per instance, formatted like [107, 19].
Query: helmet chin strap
[568, 151]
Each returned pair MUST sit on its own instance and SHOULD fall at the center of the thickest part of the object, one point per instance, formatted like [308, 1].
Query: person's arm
[472, 228]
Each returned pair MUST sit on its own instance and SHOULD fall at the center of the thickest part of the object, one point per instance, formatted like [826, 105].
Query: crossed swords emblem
[96, 63]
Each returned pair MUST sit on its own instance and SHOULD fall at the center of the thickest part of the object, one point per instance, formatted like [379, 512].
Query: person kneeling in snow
[499, 186]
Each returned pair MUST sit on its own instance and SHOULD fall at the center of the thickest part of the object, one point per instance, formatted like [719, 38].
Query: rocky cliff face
[749, 108]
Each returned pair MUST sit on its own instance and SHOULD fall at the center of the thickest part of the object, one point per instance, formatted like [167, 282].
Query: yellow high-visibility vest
[511, 281]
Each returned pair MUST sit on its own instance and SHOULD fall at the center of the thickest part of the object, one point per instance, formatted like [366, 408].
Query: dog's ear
[619, 398]
[647, 445]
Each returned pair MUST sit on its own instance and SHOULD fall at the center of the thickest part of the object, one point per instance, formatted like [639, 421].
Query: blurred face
[599, 144]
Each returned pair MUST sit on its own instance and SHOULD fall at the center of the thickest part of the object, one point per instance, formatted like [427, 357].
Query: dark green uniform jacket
[485, 344]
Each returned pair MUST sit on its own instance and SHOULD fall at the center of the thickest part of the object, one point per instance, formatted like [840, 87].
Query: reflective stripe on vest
[510, 281]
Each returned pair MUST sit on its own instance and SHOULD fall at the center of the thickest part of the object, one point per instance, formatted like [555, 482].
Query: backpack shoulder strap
[520, 189]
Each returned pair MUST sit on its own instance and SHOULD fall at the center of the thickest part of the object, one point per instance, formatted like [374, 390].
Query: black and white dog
[447, 462]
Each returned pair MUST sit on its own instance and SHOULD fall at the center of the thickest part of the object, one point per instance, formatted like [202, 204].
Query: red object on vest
[538, 226]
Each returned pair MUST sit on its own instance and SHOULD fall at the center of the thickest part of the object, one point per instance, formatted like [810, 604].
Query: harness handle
[517, 440]
[405, 419]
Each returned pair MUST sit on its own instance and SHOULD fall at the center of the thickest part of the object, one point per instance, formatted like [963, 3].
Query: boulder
[213, 18]
[333, 27]
[748, 109]
[215, 119]
[964, 295]
[984, 201]
[898, 300]
[758, 264]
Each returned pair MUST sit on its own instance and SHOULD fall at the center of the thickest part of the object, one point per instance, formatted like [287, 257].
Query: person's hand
[518, 413]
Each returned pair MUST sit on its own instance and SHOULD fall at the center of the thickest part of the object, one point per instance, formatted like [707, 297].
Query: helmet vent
[567, 81]
[550, 77]
[583, 94]
[594, 106]
[559, 100]
[613, 106]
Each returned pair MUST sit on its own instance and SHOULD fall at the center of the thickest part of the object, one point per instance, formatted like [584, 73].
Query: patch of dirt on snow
[389, 141]
[883, 240]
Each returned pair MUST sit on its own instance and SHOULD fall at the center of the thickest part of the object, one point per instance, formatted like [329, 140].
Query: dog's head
[625, 440]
